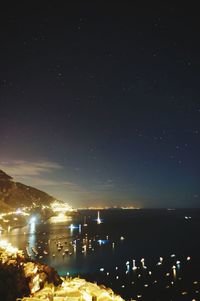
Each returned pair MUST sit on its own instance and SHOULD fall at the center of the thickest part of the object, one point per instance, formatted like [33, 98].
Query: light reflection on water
[32, 235]
[69, 232]
[99, 248]
[43, 238]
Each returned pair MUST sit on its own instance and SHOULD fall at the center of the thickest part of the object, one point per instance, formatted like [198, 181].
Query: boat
[34, 251]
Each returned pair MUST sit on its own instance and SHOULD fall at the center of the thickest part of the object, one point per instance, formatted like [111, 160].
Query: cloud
[45, 175]
[38, 174]
[108, 184]
[39, 182]
[21, 168]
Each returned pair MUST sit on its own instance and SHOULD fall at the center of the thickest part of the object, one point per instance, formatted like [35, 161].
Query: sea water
[141, 254]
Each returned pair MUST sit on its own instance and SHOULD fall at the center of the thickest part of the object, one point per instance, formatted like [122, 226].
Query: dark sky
[101, 105]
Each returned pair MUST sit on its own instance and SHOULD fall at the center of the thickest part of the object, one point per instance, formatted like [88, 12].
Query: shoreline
[29, 280]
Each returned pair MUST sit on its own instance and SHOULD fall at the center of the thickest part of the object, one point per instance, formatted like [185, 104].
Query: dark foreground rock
[20, 277]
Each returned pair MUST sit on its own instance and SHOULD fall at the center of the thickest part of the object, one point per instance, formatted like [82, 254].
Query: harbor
[86, 246]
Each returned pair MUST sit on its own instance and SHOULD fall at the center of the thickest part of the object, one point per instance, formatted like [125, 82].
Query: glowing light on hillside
[60, 218]
[61, 207]
[8, 248]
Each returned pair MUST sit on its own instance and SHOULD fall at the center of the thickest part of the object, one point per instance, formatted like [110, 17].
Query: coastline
[22, 279]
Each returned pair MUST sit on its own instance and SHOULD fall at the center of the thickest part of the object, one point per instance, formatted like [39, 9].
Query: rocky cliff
[14, 194]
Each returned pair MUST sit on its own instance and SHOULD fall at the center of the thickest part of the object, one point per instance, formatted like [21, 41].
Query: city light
[61, 207]
[60, 218]
[8, 248]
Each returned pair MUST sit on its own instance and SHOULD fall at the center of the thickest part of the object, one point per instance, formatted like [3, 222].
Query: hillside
[14, 194]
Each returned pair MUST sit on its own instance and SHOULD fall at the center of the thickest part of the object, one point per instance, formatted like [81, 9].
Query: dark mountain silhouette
[14, 195]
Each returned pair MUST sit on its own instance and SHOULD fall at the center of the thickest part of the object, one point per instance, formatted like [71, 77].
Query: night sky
[101, 105]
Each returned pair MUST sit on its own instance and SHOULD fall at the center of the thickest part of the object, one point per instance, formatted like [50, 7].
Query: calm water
[167, 240]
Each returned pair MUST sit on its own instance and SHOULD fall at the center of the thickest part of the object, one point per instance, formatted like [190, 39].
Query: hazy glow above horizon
[112, 121]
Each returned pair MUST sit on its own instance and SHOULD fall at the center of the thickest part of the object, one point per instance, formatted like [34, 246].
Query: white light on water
[99, 221]
[72, 227]
[174, 271]
[32, 220]
[134, 266]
